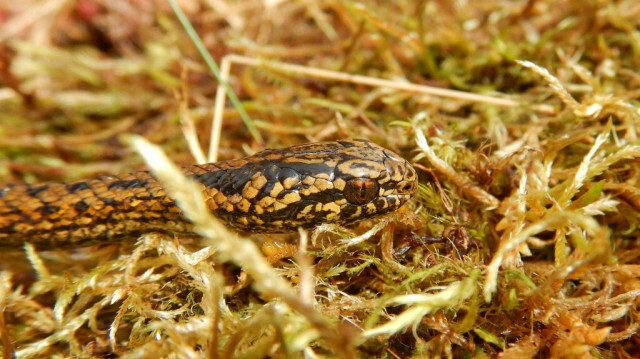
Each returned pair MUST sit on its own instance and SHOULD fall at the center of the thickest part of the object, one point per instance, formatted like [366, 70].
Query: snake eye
[360, 190]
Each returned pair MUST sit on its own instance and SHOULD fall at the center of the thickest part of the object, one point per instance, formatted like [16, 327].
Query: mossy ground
[523, 238]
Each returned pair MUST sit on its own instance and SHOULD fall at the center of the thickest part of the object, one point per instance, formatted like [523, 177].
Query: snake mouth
[405, 197]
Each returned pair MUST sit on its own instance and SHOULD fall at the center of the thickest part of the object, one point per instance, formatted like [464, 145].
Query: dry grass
[523, 239]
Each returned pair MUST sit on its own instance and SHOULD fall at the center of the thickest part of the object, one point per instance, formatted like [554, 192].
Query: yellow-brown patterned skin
[272, 191]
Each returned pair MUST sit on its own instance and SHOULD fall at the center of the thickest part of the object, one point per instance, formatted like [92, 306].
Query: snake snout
[410, 183]
[407, 188]
[403, 180]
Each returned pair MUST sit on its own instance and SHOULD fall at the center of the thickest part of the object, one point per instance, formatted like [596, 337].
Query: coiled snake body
[272, 191]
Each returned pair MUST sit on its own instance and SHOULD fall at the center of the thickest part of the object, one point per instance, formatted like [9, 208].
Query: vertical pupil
[360, 191]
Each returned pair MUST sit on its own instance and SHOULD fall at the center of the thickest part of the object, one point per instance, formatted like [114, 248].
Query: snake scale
[272, 191]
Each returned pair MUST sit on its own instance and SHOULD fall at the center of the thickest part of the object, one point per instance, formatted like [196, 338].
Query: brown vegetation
[523, 239]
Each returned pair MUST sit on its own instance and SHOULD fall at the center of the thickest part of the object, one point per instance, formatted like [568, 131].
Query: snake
[272, 191]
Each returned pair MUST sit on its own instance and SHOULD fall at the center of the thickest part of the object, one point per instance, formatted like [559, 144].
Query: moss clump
[522, 240]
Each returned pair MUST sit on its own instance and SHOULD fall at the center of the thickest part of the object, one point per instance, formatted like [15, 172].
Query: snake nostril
[405, 187]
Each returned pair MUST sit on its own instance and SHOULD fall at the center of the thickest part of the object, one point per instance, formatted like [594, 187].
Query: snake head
[303, 186]
[380, 181]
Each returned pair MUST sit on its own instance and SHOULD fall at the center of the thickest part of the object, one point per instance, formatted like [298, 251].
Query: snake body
[272, 191]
